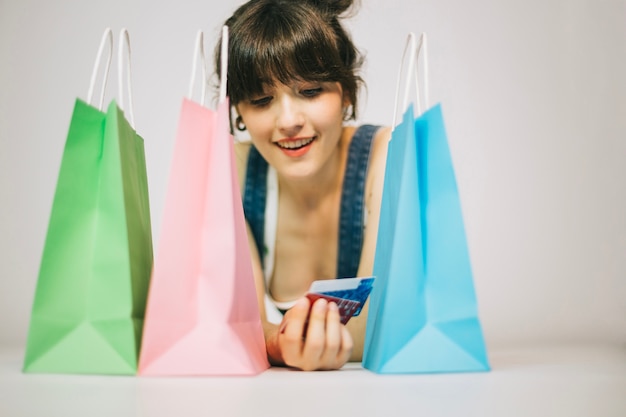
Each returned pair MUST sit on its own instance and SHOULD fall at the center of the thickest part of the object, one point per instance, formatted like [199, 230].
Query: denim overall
[351, 221]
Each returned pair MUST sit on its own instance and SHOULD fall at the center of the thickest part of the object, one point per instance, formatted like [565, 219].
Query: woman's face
[296, 127]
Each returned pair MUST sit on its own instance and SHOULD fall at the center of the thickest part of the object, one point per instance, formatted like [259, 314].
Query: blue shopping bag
[423, 314]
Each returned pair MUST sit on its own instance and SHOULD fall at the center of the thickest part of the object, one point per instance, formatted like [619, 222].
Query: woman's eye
[261, 102]
[311, 92]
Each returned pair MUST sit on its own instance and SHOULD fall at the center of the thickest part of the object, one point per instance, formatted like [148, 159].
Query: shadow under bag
[423, 314]
[87, 314]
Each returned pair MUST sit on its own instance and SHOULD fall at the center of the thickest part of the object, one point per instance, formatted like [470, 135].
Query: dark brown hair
[285, 40]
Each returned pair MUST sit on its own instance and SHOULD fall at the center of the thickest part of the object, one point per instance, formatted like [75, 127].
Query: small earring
[241, 126]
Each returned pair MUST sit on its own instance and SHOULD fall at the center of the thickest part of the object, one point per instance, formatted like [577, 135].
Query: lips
[296, 147]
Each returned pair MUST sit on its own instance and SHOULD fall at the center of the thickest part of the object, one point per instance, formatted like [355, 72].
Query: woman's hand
[314, 338]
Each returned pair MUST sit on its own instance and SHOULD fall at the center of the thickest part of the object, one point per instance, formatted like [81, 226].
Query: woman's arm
[270, 330]
[374, 191]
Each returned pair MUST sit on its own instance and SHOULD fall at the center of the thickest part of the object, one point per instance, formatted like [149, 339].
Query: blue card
[350, 294]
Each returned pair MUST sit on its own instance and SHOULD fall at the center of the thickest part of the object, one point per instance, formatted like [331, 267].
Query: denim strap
[254, 198]
[351, 220]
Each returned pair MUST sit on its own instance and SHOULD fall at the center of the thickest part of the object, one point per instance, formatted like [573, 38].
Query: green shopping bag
[87, 315]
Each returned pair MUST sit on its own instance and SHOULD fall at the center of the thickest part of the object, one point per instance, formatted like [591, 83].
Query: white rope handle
[409, 46]
[107, 38]
[415, 49]
[125, 40]
[198, 52]
[422, 50]
[224, 63]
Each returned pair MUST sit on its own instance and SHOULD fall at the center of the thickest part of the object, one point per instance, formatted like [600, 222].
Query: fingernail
[321, 304]
[333, 306]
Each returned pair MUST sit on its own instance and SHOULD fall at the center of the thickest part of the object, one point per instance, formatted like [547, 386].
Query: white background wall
[534, 96]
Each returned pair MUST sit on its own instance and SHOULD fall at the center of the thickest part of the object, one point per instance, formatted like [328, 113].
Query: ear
[347, 102]
[347, 108]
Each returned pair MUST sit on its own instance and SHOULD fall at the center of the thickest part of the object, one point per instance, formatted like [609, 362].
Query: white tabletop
[532, 382]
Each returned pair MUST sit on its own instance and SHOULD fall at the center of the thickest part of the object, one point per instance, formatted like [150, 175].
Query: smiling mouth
[295, 144]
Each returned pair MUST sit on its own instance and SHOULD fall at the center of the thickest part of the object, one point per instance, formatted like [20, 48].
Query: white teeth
[295, 144]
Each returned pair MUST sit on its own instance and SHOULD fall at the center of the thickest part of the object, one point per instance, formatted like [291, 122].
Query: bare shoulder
[381, 140]
[376, 169]
[378, 156]
[373, 197]
[242, 149]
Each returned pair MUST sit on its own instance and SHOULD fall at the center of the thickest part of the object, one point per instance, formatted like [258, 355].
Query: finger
[347, 344]
[334, 337]
[315, 337]
[290, 332]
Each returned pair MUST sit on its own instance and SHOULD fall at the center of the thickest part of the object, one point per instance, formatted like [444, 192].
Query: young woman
[312, 185]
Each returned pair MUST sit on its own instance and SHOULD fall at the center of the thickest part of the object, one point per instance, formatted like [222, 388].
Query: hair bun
[332, 7]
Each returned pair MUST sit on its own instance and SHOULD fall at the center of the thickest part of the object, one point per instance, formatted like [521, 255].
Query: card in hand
[349, 294]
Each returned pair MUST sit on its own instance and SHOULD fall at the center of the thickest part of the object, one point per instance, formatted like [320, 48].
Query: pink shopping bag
[202, 315]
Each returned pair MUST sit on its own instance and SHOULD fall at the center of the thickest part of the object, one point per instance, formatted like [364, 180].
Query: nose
[290, 119]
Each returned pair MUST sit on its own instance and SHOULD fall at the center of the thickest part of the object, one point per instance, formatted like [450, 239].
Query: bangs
[285, 41]
[282, 51]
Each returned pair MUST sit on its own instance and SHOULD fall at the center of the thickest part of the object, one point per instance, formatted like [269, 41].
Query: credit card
[349, 294]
